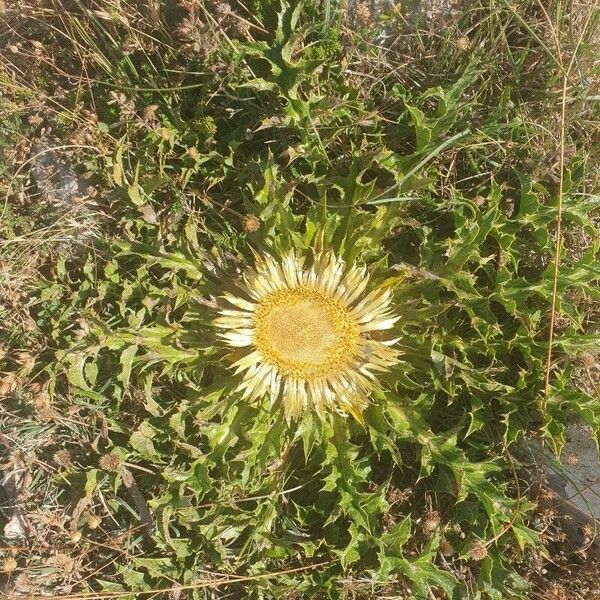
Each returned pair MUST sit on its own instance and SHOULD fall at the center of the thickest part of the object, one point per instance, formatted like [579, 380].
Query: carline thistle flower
[310, 332]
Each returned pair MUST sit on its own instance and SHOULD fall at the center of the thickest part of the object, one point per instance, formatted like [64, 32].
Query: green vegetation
[447, 153]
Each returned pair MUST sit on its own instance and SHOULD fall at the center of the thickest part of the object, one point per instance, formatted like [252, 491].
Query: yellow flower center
[305, 333]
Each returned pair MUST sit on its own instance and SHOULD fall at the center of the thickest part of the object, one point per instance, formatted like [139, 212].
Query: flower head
[310, 331]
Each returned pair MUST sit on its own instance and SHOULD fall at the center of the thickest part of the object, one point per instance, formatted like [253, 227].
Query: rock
[15, 528]
[14, 482]
[53, 176]
[70, 205]
[575, 479]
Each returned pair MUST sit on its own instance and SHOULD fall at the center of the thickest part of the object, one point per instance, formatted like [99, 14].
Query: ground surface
[147, 149]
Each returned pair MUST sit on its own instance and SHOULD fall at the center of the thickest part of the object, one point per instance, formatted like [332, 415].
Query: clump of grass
[456, 161]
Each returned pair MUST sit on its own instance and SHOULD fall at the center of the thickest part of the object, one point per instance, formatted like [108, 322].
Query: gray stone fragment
[70, 207]
[575, 479]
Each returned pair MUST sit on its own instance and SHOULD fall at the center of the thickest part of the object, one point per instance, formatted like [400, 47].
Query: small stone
[15, 528]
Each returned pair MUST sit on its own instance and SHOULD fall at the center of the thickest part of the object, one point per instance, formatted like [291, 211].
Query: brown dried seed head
[23, 583]
[93, 521]
[588, 360]
[562, 322]
[432, 522]
[222, 10]
[75, 536]
[396, 496]
[37, 389]
[478, 551]
[26, 360]
[148, 213]
[558, 592]
[362, 12]
[572, 459]
[60, 561]
[548, 494]
[110, 462]
[166, 134]
[242, 28]
[446, 548]
[588, 533]
[62, 457]
[463, 43]
[388, 520]
[44, 413]
[9, 564]
[35, 120]
[251, 223]
[175, 592]
[149, 112]
[8, 384]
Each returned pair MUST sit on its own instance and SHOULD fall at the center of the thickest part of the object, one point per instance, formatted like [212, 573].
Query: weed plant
[452, 154]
